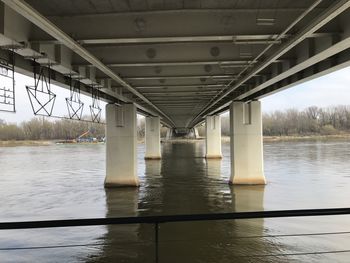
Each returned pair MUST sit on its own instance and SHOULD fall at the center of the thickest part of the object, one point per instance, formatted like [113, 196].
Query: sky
[328, 90]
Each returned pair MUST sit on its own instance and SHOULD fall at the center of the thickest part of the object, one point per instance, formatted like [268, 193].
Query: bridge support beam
[169, 133]
[121, 143]
[152, 138]
[246, 143]
[196, 133]
[213, 137]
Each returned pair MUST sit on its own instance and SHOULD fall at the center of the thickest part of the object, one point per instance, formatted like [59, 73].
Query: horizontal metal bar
[6, 97]
[167, 39]
[200, 87]
[180, 77]
[250, 39]
[180, 98]
[181, 93]
[6, 89]
[174, 107]
[181, 11]
[174, 218]
[256, 42]
[6, 76]
[175, 39]
[171, 98]
[181, 63]
[176, 103]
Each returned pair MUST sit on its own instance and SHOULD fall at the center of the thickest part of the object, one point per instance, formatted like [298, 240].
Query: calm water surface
[66, 181]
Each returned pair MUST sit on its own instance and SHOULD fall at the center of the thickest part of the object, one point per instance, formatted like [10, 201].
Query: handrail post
[156, 242]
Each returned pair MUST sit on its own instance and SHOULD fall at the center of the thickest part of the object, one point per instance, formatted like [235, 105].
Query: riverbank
[13, 143]
[299, 138]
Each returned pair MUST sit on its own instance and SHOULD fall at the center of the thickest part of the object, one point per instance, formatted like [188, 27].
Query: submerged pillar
[213, 136]
[121, 143]
[152, 138]
[246, 143]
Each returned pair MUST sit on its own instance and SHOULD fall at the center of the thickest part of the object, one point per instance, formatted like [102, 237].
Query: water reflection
[169, 188]
[213, 168]
[120, 241]
[300, 175]
[248, 197]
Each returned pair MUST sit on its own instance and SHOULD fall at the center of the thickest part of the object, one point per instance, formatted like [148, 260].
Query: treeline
[60, 129]
[46, 129]
[311, 121]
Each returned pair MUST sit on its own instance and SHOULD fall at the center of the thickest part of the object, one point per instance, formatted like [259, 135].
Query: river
[66, 181]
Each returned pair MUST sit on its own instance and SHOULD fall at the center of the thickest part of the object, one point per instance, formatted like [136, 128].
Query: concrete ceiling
[183, 54]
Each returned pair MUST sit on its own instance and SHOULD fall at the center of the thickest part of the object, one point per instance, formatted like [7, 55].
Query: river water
[66, 181]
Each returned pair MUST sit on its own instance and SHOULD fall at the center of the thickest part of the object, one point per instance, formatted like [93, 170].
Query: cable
[46, 247]
[267, 236]
[295, 254]
[297, 235]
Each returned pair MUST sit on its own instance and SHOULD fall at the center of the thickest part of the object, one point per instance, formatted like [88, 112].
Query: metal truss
[7, 86]
[74, 105]
[95, 108]
[41, 98]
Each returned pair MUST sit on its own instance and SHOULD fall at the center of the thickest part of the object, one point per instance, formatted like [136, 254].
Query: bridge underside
[180, 60]
[179, 63]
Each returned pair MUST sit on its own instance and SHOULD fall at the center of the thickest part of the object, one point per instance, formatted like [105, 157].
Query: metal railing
[156, 220]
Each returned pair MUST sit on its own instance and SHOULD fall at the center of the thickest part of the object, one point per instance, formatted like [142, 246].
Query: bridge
[179, 63]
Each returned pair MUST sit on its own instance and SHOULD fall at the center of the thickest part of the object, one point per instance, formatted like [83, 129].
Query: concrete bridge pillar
[121, 143]
[246, 143]
[169, 133]
[152, 138]
[213, 136]
[196, 133]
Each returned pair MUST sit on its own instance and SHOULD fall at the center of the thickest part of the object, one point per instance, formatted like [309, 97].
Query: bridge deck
[181, 60]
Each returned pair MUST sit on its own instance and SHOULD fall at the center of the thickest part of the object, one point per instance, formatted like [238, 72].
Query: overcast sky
[332, 89]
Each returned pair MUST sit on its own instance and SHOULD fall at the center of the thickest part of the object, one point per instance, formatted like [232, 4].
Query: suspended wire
[297, 235]
[67, 118]
[48, 247]
[295, 254]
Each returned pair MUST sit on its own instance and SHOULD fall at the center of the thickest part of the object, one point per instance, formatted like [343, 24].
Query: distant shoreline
[13, 143]
[299, 137]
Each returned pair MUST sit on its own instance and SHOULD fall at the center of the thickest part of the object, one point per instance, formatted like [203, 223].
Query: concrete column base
[246, 144]
[213, 137]
[249, 181]
[121, 183]
[121, 143]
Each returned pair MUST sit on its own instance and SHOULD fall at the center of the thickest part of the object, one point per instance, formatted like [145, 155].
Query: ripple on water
[66, 181]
